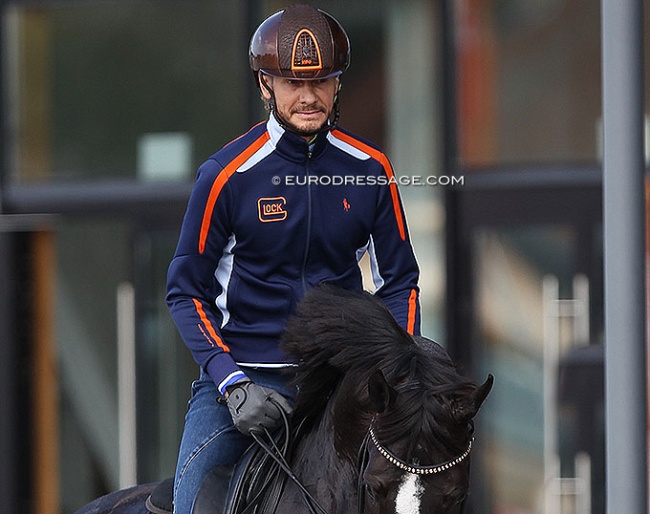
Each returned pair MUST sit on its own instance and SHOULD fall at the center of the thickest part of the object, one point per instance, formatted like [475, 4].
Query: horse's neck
[319, 452]
[330, 477]
[350, 417]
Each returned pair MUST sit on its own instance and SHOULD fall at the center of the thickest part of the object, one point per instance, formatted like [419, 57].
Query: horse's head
[420, 437]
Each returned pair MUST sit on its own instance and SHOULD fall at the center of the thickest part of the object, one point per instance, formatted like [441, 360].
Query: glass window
[123, 89]
[542, 433]
[110, 280]
[92, 259]
[530, 81]
[165, 368]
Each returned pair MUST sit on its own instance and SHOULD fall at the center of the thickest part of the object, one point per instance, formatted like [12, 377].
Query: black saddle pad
[217, 491]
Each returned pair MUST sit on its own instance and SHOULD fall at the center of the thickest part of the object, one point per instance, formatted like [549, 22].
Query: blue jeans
[210, 439]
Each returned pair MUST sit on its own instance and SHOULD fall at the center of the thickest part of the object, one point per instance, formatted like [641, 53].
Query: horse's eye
[456, 499]
[375, 492]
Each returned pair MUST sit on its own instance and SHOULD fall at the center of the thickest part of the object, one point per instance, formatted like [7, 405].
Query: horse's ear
[466, 408]
[380, 392]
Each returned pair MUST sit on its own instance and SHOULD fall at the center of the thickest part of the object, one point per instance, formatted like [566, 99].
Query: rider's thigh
[209, 440]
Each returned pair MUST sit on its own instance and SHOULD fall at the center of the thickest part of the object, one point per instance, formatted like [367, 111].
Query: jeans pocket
[201, 387]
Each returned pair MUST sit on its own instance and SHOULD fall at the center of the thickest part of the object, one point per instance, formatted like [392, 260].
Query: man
[293, 203]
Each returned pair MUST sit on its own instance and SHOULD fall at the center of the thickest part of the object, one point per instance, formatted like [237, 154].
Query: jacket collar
[291, 145]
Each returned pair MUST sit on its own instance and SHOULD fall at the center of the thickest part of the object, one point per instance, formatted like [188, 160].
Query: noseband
[413, 468]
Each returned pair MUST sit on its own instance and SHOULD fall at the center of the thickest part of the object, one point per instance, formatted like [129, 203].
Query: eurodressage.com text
[364, 180]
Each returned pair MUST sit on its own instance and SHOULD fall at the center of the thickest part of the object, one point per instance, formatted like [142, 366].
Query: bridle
[279, 453]
[416, 469]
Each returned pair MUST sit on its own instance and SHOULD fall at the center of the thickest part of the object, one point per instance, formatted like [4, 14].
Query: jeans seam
[194, 454]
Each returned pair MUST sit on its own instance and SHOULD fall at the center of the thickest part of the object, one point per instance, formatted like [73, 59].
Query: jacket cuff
[224, 371]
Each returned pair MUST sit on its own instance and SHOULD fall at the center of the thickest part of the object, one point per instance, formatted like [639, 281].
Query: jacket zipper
[308, 240]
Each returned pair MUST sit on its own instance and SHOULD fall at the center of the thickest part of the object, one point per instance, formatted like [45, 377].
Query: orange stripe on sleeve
[214, 338]
[220, 181]
[388, 169]
[410, 324]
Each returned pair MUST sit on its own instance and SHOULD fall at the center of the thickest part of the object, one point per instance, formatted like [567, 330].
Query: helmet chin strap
[272, 106]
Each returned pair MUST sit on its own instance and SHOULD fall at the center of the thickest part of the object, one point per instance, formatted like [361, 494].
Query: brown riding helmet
[300, 42]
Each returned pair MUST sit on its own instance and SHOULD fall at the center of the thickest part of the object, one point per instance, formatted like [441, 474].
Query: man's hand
[254, 408]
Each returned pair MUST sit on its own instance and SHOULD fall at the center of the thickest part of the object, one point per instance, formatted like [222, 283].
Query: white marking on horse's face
[409, 494]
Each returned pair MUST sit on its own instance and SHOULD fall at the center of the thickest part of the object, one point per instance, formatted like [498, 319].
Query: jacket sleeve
[191, 284]
[394, 266]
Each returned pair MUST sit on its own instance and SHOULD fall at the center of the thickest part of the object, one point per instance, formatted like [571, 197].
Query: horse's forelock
[424, 408]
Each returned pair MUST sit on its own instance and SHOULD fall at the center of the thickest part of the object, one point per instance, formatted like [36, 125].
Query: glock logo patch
[272, 209]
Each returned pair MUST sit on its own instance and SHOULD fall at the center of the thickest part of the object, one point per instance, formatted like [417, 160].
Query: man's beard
[305, 132]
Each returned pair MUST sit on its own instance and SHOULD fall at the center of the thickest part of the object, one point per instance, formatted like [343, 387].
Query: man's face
[305, 105]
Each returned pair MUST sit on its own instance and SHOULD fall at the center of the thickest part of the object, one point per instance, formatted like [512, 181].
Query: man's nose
[307, 93]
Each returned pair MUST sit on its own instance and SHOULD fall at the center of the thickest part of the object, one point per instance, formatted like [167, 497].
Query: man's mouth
[308, 112]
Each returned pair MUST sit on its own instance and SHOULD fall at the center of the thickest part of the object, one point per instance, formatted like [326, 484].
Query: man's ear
[265, 85]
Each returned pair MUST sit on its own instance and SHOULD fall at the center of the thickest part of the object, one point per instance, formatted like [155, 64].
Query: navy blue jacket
[270, 217]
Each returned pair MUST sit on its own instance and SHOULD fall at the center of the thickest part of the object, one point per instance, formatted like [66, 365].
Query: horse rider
[293, 203]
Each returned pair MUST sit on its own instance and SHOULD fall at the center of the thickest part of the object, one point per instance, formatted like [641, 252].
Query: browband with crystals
[415, 469]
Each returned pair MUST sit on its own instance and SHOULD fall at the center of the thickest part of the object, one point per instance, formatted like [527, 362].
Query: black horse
[383, 422]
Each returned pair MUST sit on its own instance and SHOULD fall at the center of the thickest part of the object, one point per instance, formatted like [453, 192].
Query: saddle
[228, 489]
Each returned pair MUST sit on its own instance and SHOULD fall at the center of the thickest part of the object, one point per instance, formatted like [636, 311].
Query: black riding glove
[254, 407]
